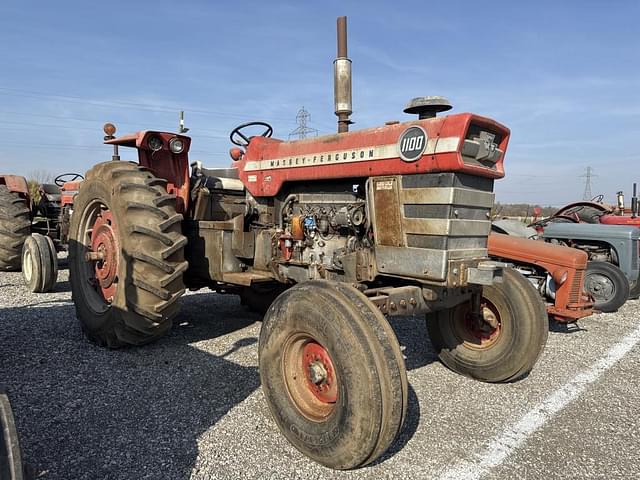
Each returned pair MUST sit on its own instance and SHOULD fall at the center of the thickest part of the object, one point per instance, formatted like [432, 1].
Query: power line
[118, 103]
[88, 147]
[92, 129]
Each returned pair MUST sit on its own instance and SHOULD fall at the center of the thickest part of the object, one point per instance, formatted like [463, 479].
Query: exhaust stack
[634, 201]
[620, 199]
[342, 79]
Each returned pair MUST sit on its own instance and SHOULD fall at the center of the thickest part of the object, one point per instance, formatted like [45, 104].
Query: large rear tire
[607, 284]
[502, 352]
[39, 263]
[15, 224]
[126, 255]
[332, 374]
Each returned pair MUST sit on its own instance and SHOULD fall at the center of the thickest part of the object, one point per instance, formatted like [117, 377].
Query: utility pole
[587, 195]
[303, 129]
[181, 127]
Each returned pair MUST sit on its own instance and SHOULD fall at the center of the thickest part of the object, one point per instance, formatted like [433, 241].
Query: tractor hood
[535, 252]
[587, 231]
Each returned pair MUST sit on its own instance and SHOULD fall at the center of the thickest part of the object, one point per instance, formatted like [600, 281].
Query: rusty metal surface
[387, 211]
[15, 183]
[571, 302]
[536, 252]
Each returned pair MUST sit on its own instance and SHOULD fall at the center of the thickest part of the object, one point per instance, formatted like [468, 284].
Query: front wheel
[501, 346]
[332, 374]
[607, 285]
[39, 263]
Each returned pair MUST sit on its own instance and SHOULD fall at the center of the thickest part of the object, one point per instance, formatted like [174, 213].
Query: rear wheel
[607, 285]
[501, 346]
[39, 263]
[15, 224]
[126, 255]
[332, 374]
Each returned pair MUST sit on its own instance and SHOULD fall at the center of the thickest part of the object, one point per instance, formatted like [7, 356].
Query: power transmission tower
[302, 119]
[587, 195]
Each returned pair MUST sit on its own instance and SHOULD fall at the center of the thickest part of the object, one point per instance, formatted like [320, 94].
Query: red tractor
[32, 231]
[348, 228]
[595, 211]
[556, 271]
[15, 220]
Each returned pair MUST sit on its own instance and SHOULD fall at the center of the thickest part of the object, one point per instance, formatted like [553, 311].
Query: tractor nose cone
[427, 107]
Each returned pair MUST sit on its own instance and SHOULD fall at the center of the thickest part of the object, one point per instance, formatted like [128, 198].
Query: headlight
[560, 276]
[176, 145]
[155, 143]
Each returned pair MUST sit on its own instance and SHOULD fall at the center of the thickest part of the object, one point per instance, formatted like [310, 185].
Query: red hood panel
[268, 163]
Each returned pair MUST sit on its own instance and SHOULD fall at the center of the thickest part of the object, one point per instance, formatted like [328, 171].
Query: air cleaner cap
[427, 107]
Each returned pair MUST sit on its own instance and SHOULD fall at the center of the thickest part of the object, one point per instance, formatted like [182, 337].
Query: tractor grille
[634, 254]
[424, 221]
[575, 292]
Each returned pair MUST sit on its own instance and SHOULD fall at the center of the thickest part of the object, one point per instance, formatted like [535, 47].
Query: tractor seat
[218, 178]
[52, 192]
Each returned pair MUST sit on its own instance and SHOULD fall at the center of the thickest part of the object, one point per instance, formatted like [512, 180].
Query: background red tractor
[595, 211]
[33, 230]
[557, 272]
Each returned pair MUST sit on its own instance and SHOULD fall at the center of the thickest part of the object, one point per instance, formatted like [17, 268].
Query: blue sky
[564, 76]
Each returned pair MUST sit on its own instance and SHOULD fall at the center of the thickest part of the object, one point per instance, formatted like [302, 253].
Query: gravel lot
[190, 405]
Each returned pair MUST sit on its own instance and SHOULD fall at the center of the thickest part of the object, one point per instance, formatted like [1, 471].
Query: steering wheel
[61, 179]
[598, 198]
[240, 139]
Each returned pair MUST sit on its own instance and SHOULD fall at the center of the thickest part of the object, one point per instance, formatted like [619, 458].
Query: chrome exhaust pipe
[342, 79]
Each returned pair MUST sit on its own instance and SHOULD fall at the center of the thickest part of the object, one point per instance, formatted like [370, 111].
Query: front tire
[502, 352]
[126, 255]
[607, 285]
[39, 263]
[15, 224]
[332, 374]
[11, 467]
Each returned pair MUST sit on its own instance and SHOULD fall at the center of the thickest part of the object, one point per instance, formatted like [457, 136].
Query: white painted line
[513, 437]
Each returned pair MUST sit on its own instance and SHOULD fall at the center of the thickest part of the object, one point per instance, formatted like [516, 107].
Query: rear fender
[16, 183]
[173, 167]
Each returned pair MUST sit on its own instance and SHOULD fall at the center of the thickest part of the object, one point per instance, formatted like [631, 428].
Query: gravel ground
[190, 405]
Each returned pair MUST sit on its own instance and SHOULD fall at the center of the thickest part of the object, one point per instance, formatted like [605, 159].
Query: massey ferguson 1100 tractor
[352, 226]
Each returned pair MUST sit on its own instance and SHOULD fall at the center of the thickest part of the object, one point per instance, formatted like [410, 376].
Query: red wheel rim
[478, 333]
[104, 254]
[320, 373]
[310, 377]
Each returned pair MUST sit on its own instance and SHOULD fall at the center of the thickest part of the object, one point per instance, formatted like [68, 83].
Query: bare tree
[35, 178]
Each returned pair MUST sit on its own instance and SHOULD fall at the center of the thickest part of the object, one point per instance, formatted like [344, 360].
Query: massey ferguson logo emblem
[412, 143]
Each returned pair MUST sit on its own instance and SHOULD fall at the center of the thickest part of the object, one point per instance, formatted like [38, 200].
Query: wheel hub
[104, 252]
[482, 330]
[320, 376]
[600, 286]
